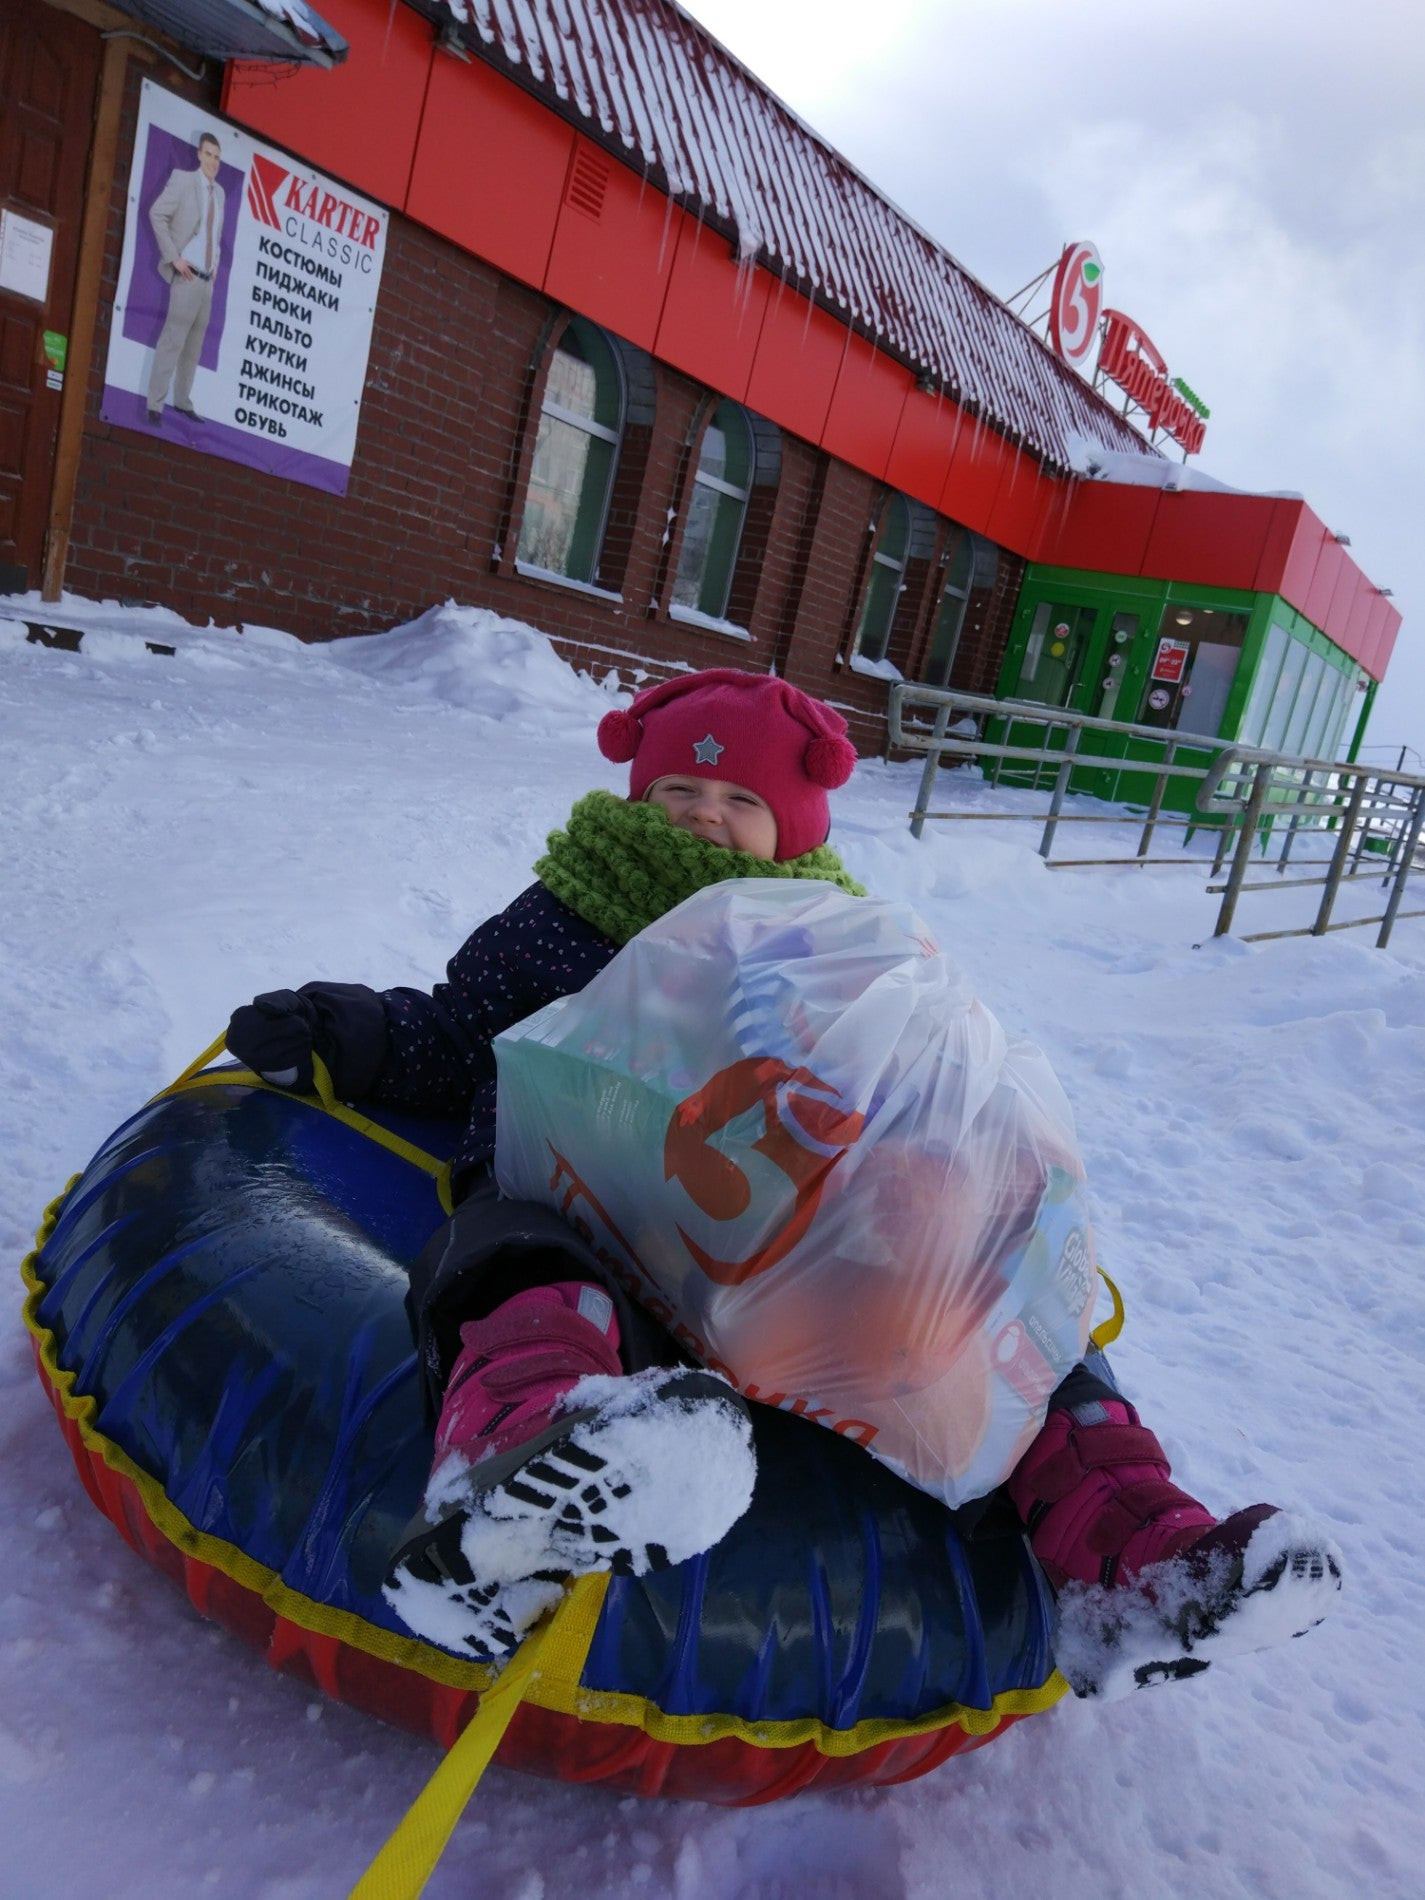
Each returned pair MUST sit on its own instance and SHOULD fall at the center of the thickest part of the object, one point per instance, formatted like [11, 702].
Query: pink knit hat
[747, 729]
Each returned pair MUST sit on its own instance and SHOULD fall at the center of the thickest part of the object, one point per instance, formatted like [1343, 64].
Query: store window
[1264, 685]
[1343, 693]
[1314, 743]
[883, 589]
[575, 454]
[1284, 700]
[1301, 698]
[1303, 713]
[717, 510]
[1191, 673]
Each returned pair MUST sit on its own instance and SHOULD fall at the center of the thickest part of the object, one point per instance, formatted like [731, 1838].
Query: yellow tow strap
[321, 1075]
[407, 1861]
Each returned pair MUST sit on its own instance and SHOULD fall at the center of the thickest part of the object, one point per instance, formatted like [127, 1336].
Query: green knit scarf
[621, 866]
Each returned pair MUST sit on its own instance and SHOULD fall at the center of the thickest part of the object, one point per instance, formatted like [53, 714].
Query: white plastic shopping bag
[792, 1132]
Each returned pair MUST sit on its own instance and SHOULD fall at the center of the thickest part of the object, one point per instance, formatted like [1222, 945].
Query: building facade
[646, 364]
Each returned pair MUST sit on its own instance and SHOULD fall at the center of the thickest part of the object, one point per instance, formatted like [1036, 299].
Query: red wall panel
[1209, 538]
[1025, 499]
[713, 310]
[1384, 626]
[1363, 608]
[1317, 605]
[1105, 529]
[973, 474]
[797, 361]
[490, 168]
[866, 408]
[1343, 623]
[1299, 569]
[611, 258]
[1385, 642]
[920, 453]
[360, 120]
[1275, 552]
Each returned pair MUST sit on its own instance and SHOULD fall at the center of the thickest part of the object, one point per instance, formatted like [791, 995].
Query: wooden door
[49, 65]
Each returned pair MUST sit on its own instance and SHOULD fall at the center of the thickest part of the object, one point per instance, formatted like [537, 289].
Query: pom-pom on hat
[746, 729]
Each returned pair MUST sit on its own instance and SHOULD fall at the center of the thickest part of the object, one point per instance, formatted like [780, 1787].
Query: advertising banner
[247, 288]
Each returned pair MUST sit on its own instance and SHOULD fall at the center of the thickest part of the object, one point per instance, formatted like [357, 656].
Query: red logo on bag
[806, 1134]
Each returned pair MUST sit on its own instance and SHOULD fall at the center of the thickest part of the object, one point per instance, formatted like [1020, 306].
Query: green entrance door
[1055, 653]
[1111, 669]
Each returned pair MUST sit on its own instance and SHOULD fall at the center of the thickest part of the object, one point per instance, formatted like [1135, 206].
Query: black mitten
[275, 1034]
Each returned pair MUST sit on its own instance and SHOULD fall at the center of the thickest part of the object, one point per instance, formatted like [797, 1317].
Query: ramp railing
[1070, 741]
[1372, 821]
[1269, 807]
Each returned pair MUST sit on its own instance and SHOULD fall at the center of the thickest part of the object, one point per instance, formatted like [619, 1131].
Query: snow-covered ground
[182, 830]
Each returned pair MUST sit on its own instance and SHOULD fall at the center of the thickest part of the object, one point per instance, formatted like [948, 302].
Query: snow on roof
[1098, 464]
[653, 87]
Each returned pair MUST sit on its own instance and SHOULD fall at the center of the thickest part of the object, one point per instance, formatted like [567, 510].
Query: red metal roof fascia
[1372, 634]
[1385, 643]
[1106, 527]
[661, 95]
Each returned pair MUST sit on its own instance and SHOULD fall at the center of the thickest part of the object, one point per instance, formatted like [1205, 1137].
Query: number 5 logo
[806, 1134]
[1077, 304]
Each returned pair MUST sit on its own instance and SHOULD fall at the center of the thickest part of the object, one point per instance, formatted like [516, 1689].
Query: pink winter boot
[551, 1461]
[1151, 1587]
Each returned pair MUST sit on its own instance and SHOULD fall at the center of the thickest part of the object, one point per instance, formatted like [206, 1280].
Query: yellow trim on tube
[325, 1103]
[1108, 1330]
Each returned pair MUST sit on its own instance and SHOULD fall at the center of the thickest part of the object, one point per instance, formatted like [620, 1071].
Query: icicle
[664, 233]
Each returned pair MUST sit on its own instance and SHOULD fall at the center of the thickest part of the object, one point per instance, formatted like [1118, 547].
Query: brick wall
[432, 510]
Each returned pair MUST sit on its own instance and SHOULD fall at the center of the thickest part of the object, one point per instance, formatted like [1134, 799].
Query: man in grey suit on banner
[187, 220]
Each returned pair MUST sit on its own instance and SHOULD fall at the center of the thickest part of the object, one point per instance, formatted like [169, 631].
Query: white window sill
[690, 617]
[529, 573]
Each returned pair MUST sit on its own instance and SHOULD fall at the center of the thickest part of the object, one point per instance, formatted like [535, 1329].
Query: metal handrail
[938, 740]
[1357, 802]
[1378, 817]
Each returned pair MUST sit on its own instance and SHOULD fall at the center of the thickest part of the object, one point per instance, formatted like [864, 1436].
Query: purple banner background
[147, 304]
[220, 438]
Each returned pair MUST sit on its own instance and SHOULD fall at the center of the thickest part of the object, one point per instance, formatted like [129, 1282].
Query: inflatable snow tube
[216, 1307]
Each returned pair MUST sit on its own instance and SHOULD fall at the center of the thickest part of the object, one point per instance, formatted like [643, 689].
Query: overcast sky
[1253, 174]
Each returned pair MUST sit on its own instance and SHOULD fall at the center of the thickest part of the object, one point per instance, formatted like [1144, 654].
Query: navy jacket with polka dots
[431, 1053]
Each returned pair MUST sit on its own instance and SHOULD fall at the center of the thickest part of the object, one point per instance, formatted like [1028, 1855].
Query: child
[650, 1462]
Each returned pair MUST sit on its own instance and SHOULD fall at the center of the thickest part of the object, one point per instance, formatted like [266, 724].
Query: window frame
[588, 425]
[894, 503]
[697, 613]
[960, 553]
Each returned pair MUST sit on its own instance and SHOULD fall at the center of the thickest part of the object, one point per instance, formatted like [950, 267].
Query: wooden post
[70, 438]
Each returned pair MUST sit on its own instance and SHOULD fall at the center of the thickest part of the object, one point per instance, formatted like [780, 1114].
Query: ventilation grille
[588, 181]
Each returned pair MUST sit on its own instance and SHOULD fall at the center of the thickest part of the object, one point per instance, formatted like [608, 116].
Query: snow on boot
[1257, 1578]
[551, 1461]
[1150, 1586]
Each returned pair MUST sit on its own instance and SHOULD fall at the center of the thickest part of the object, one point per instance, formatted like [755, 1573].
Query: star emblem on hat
[708, 751]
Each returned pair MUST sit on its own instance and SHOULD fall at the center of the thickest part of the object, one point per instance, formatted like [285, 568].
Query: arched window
[971, 562]
[883, 589]
[575, 452]
[717, 508]
[950, 614]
